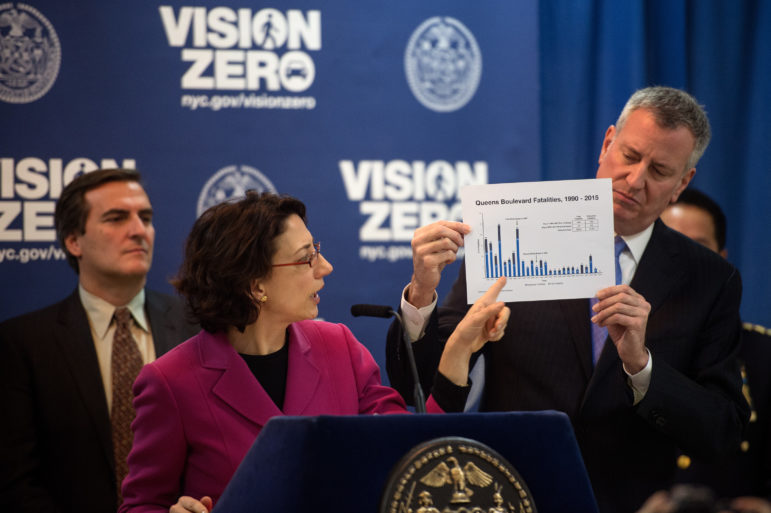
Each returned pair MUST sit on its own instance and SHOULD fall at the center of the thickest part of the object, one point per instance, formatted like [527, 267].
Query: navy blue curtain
[594, 54]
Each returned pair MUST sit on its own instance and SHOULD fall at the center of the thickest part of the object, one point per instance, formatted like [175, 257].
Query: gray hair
[672, 108]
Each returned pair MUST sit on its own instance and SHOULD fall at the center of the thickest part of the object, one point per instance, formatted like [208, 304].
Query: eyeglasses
[311, 260]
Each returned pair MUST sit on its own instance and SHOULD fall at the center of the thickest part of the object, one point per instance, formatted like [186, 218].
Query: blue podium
[341, 464]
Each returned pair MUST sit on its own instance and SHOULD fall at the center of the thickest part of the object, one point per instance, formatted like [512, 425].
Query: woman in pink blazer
[251, 276]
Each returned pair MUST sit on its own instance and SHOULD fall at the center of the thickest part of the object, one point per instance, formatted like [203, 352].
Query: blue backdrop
[374, 115]
[593, 55]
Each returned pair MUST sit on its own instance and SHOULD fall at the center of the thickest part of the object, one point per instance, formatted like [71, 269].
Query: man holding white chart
[664, 376]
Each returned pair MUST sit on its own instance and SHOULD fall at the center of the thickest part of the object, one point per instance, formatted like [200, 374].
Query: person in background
[691, 498]
[664, 377]
[65, 383]
[745, 474]
[252, 276]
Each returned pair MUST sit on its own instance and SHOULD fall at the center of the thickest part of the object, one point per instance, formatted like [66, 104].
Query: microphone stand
[417, 392]
[386, 312]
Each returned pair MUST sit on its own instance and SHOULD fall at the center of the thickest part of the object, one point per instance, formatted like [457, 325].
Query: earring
[263, 299]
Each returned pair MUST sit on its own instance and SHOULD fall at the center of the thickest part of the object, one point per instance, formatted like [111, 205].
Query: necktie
[125, 365]
[600, 334]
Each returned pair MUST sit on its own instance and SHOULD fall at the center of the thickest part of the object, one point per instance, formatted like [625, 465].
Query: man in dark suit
[667, 375]
[56, 443]
[744, 475]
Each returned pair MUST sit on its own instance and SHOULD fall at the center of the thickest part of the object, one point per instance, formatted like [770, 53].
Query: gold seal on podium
[455, 475]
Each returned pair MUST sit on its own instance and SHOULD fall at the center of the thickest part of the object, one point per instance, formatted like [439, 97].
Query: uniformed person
[747, 472]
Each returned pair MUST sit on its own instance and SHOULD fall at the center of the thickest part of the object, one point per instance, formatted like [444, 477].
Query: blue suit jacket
[544, 362]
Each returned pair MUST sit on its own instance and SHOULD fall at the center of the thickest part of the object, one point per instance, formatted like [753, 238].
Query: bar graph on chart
[524, 260]
[552, 240]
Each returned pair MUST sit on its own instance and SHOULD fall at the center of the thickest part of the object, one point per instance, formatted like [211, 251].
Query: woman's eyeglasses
[311, 259]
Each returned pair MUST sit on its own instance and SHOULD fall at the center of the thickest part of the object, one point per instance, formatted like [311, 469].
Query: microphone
[372, 311]
[386, 312]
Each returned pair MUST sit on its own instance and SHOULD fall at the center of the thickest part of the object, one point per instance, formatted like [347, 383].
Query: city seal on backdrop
[30, 53]
[230, 183]
[443, 64]
[455, 475]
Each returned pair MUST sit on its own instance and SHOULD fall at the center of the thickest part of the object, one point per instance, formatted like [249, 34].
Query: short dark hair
[672, 108]
[72, 209]
[698, 199]
[230, 246]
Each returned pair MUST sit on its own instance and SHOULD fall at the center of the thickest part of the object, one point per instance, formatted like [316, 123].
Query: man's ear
[684, 181]
[610, 133]
[73, 245]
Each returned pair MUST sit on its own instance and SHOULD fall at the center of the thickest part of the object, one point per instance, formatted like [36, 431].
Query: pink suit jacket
[199, 408]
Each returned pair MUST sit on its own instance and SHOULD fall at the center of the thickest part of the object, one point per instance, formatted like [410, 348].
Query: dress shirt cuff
[416, 319]
[450, 397]
[641, 381]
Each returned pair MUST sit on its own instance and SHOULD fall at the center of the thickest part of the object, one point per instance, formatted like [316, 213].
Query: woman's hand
[188, 504]
[485, 321]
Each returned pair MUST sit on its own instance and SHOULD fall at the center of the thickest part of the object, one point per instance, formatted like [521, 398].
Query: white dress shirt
[99, 313]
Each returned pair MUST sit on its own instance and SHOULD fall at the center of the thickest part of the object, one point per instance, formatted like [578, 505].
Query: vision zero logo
[29, 189]
[231, 183]
[397, 197]
[443, 64]
[241, 50]
[30, 53]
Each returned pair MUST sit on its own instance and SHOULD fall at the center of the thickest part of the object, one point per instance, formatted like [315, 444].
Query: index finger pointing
[492, 293]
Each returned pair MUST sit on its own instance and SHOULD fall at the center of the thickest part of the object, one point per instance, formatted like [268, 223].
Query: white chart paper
[553, 240]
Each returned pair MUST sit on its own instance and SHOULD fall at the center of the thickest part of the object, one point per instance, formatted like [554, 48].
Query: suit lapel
[657, 272]
[236, 386]
[654, 277]
[302, 374]
[75, 342]
[164, 332]
[576, 313]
